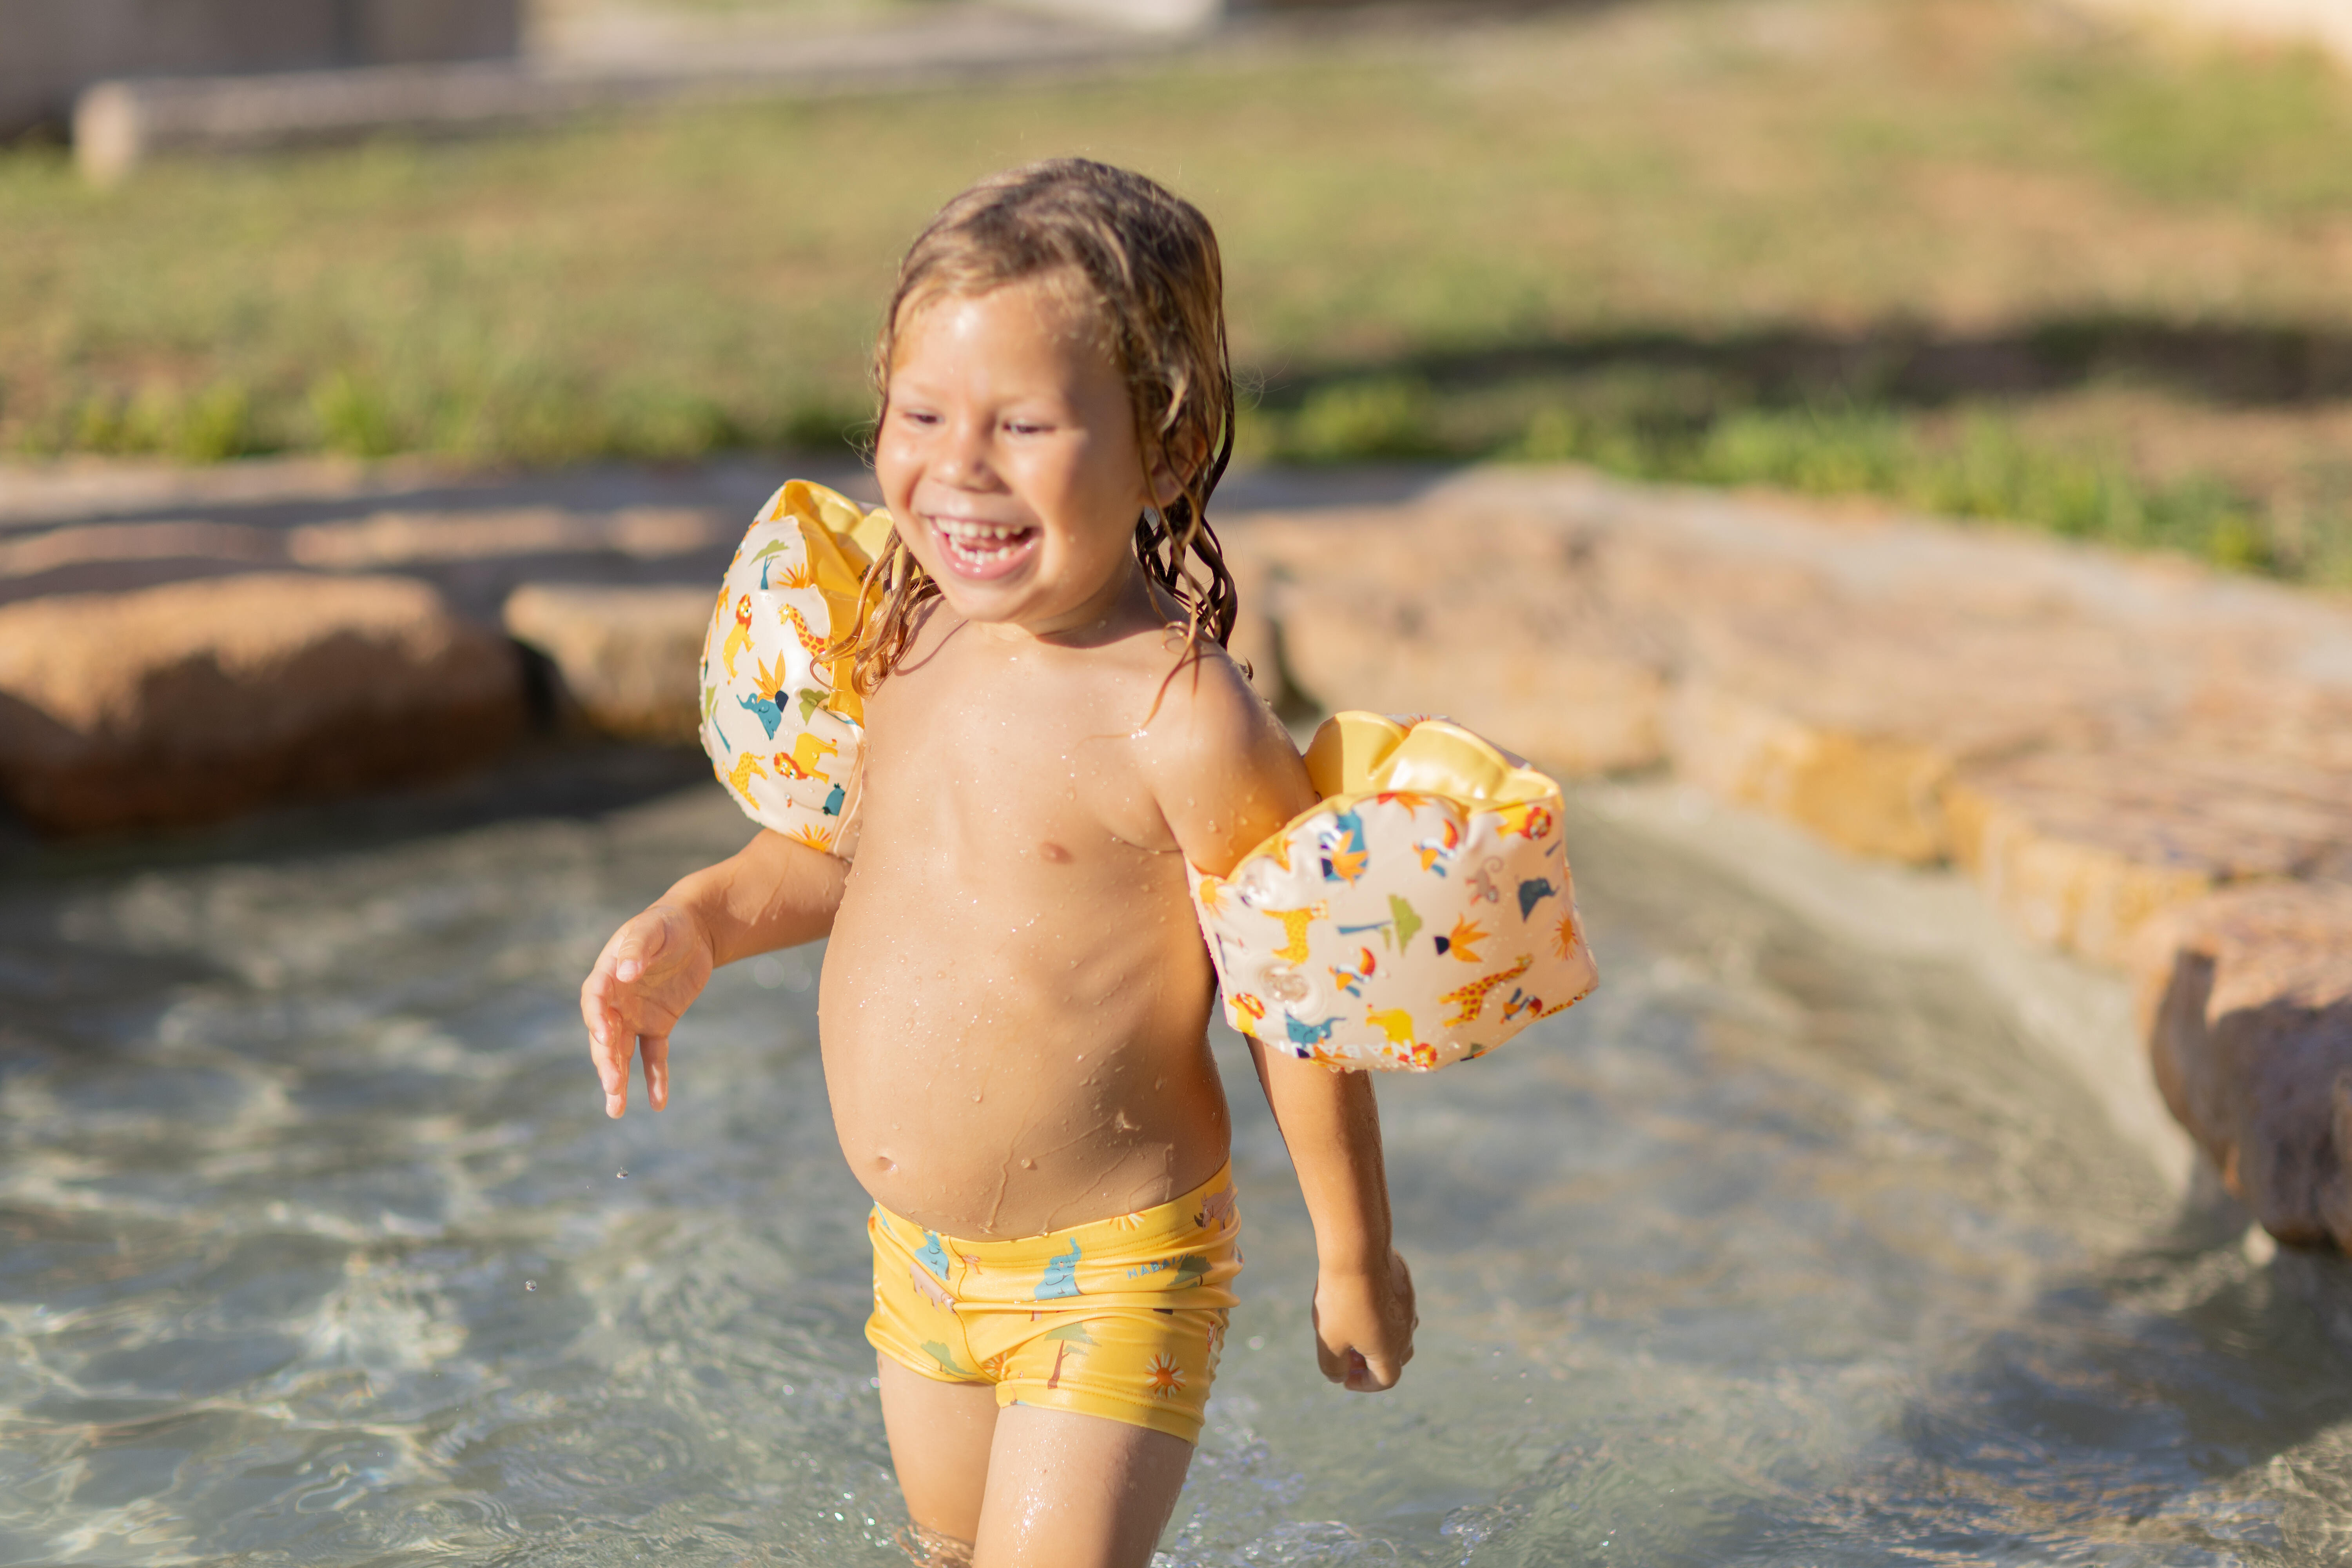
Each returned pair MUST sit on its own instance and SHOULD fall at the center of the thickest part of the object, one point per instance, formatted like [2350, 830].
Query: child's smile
[1008, 454]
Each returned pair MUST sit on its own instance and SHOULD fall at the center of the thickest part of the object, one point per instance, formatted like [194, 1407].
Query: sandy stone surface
[2247, 996]
[195, 700]
[2093, 737]
[627, 658]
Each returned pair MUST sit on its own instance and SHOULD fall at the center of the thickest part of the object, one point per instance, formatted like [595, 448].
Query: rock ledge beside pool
[2140, 763]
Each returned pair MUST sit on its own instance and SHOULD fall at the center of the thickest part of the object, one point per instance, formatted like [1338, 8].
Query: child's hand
[647, 974]
[1363, 1325]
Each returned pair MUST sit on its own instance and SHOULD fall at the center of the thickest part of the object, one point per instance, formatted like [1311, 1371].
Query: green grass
[1979, 462]
[1634, 192]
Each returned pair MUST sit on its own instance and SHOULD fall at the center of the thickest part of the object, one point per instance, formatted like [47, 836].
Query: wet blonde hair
[1144, 262]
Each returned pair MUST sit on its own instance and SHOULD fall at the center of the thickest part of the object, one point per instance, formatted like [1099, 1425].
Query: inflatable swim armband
[781, 722]
[1423, 914]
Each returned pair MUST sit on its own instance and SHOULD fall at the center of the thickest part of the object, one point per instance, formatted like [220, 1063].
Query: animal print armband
[1421, 915]
[780, 720]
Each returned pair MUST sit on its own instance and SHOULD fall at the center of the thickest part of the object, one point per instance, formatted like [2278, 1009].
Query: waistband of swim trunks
[1139, 1231]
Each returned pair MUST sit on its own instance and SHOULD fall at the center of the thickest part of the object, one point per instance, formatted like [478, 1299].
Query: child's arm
[775, 893]
[1229, 777]
[1364, 1315]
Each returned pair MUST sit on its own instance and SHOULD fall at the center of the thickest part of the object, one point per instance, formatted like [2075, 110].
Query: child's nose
[962, 457]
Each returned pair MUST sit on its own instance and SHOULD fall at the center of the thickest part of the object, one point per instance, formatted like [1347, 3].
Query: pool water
[316, 1247]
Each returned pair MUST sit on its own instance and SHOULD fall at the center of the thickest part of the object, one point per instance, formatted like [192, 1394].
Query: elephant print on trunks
[792, 597]
[1061, 1276]
[1343, 935]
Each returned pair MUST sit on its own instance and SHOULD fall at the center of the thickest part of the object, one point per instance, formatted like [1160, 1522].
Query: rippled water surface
[316, 1247]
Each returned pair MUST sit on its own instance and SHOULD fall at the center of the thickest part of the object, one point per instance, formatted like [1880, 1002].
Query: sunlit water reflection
[315, 1248]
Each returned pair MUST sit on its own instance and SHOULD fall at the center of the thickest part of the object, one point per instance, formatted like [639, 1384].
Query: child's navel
[1049, 850]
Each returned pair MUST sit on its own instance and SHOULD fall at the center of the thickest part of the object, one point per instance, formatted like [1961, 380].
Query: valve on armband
[1421, 915]
[781, 721]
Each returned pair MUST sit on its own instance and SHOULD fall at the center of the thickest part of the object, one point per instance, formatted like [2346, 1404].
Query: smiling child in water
[1015, 996]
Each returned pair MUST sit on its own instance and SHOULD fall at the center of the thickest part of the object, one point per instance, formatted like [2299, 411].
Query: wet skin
[1015, 1002]
[1016, 1006]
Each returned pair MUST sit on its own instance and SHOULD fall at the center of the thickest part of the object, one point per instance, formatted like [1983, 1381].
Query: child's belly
[996, 1079]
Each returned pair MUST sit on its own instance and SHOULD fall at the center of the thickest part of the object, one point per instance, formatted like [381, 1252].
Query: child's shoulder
[1202, 714]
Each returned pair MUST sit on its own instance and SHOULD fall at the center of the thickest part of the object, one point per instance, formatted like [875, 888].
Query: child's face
[1009, 459]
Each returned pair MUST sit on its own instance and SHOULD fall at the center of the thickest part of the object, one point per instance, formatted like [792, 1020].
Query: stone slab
[2080, 848]
[1470, 616]
[195, 700]
[627, 658]
[1872, 678]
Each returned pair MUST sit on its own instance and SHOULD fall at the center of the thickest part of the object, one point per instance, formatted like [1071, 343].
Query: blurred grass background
[1976, 257]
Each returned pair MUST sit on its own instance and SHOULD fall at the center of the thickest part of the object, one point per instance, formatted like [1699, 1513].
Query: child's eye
[1027, 427]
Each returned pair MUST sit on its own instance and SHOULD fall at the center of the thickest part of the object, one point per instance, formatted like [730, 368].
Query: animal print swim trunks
[1122, 1318]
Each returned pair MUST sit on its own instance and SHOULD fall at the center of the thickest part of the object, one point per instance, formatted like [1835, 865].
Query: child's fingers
[1370, 1374]
[636, 945]
[617, 1085]
[655, 1048]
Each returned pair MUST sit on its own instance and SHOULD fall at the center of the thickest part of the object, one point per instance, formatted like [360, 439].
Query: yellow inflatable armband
[1423, 914]
[781, 721]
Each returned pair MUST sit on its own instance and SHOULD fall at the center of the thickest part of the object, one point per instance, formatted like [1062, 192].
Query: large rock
[2080, 848]
[195, 700]
[1477, 617]
[628, 657]
[2248, 1001]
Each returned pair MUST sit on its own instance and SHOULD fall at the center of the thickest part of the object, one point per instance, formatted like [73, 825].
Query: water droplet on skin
[1028, 1164]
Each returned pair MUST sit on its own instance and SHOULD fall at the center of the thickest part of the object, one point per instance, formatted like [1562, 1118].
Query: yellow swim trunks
[1121, 1318]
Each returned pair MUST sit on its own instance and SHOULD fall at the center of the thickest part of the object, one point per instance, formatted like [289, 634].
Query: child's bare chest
[977, 768]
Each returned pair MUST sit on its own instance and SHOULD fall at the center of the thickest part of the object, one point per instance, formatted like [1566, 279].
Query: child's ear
[1173, 465]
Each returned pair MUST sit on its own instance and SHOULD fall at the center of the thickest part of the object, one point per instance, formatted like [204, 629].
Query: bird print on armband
[1350, 979]
[1437, 852]
[1462, 942]
[1342, 849]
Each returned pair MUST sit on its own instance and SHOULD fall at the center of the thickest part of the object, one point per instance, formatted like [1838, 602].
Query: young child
[1015, 996]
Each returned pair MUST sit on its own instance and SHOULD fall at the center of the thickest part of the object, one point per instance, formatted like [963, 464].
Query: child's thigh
[940, 1437]
[1067, 1490]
